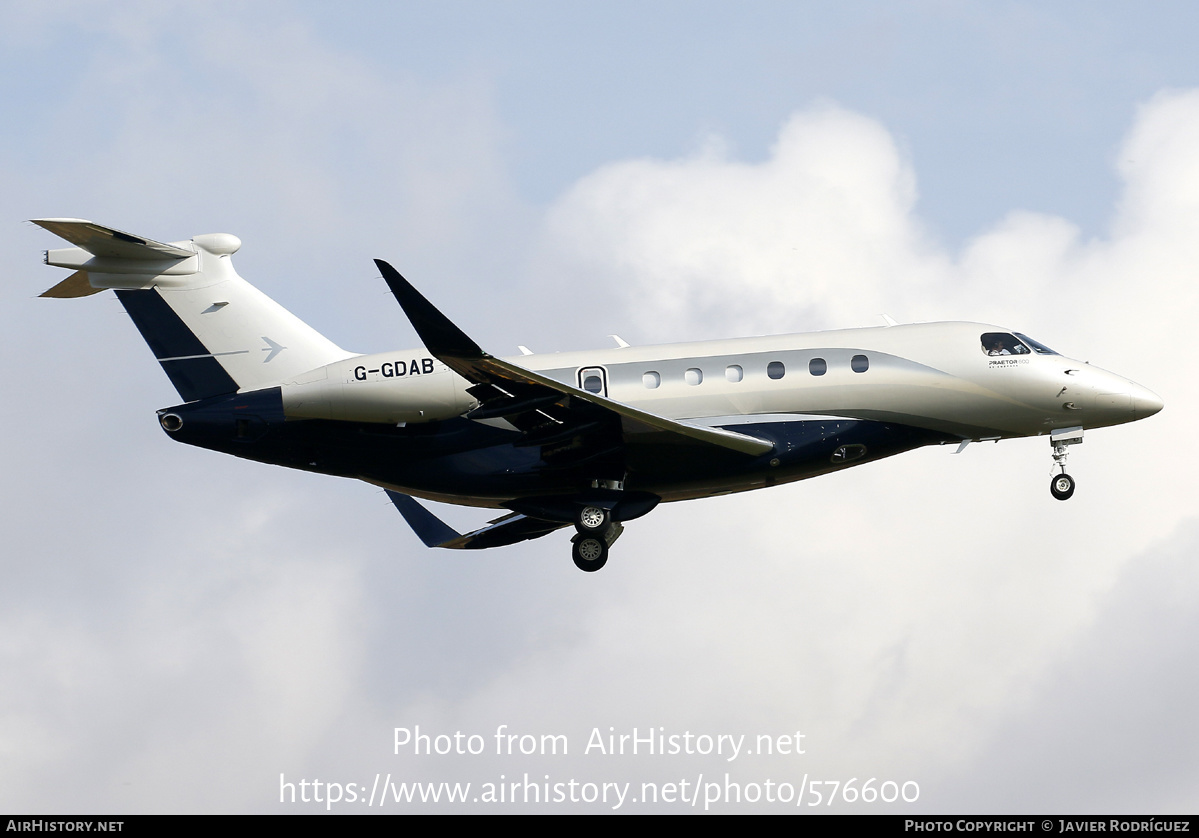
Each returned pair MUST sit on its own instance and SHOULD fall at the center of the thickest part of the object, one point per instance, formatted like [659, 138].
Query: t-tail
[212, 332]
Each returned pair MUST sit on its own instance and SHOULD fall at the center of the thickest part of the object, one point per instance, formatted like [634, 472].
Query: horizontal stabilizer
[436, 533]
[75, 285]
[105, 241]
[212, 332]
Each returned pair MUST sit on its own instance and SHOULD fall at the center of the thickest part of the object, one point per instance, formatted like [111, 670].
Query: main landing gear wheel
[592, 520]
[1062, 486]
[590, 553]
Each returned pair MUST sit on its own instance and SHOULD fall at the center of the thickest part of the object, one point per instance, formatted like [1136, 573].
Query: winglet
[440, 336]
[428, 527]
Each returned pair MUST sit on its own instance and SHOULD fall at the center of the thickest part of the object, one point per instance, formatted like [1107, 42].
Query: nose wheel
[1061, 486]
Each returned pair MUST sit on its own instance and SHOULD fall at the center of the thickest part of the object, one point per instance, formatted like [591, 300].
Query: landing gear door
[594, 380]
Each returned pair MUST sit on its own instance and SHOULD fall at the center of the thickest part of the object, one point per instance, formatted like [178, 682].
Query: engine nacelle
[391, 387]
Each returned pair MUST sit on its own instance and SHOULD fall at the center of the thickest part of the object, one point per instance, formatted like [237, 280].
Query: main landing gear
[598, 513]
[597, 522]
[1061, 486]
[592, 519]
[596, 533]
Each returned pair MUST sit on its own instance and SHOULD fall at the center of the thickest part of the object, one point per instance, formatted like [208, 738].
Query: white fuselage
[936, 376]
[590, 439]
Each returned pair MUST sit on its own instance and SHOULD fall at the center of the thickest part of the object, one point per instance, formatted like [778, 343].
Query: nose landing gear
[1061, 486]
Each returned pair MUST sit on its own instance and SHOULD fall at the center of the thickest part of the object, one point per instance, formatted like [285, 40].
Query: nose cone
[1145, 402]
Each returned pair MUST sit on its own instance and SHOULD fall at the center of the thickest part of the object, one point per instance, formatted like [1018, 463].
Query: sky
[183, 632]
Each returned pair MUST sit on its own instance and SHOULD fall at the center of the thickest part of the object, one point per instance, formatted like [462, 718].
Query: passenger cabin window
[859, 363]
[693, 376]
[1003, 343]
[651, 380]
[817, 366]
[733, 373]
[776, 370]
[594, 380]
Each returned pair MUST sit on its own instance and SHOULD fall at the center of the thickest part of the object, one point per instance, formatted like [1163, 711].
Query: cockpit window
[1003, 343]
[1039, 348]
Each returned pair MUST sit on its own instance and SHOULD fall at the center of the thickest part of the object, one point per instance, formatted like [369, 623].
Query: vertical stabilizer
[212, 331]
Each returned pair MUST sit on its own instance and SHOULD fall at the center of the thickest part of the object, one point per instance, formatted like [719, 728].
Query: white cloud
[905, 610]
[903, 615]
[1113, 714]
[813, 236]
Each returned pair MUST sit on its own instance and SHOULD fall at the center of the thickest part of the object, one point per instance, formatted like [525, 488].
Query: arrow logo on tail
[272, 348]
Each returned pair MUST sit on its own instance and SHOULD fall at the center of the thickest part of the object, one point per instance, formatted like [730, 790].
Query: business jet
[589, 439]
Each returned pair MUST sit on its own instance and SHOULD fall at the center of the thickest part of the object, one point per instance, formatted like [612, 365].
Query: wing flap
[519, 388]
[633, 419]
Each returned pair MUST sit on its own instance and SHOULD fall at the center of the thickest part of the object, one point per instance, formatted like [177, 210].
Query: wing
[436, 533]
[546, 410]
